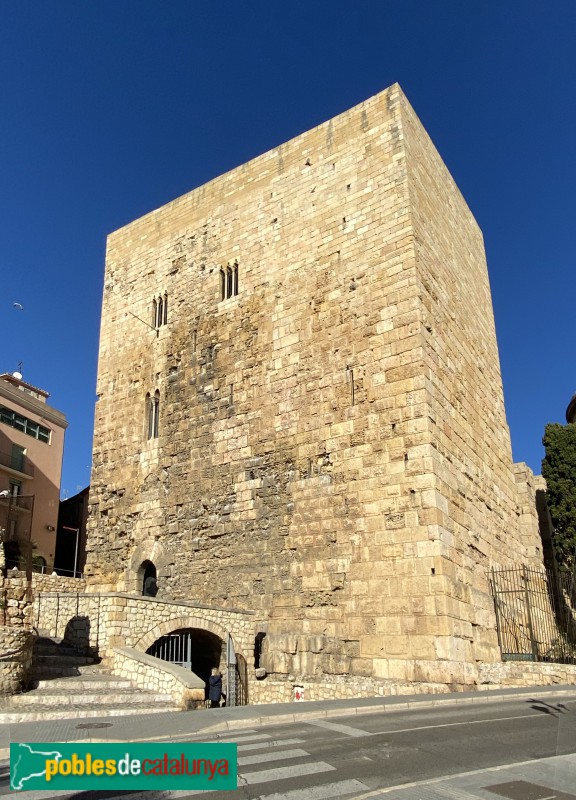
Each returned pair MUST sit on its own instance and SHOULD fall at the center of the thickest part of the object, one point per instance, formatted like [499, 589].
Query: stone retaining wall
[490, 676]
[152, 674]
[121, 620]
[98, 623]
[525, 673]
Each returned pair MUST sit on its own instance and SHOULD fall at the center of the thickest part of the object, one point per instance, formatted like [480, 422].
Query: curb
[283, 719]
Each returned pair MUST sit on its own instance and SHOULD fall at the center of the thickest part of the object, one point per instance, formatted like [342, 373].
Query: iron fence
[535, 614]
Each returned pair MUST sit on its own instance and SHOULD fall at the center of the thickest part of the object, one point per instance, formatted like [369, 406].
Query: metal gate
[236, 676]
[535, 614]
[175, 648]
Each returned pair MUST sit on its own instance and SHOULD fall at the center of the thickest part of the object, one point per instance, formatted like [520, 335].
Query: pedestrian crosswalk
[299, 764]
[258, 751]
[269, 768]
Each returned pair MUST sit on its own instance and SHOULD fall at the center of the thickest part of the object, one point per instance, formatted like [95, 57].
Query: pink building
[31, 451]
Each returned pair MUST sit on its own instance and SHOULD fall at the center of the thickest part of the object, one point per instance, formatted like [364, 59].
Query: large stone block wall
[528, 485]
[470, 505]
[333, 451]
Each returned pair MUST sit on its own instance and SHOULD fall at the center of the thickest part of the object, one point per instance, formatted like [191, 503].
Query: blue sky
[111, 108]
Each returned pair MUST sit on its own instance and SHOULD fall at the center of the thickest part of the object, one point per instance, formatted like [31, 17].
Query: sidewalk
[151, 727]
[545, 779]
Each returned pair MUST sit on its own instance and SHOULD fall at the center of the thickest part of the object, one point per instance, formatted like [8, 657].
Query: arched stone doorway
[200, 650]
[149, 552]
[193, 648]
[147, 575]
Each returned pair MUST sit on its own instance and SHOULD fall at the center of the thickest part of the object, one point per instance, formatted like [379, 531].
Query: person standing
[215, 688]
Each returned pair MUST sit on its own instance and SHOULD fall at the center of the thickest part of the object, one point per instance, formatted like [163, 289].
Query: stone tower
[301, 410]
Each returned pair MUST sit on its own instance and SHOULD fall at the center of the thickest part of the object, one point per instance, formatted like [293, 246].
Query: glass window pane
[20, 422]
[43, 434]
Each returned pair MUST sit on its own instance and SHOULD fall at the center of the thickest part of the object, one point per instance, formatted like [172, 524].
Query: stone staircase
[65, 685]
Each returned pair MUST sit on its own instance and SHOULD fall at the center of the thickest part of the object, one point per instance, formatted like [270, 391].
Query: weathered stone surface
[15, 658]
[332, 448]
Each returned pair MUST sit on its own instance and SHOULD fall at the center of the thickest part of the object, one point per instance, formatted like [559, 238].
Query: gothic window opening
[160, 311]
[229, 281]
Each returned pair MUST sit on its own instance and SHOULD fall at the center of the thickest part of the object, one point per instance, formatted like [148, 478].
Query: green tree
[559, 470]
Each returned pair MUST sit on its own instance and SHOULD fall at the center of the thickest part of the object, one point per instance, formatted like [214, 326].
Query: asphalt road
[365, 755]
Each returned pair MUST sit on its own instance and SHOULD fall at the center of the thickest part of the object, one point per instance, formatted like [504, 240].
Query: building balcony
[17, 465]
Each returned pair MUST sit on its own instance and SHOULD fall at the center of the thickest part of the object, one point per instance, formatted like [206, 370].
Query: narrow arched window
[154, 313]
[160, 315]
[222, 284]
[235, 279]
[229, 281]
[152, 415]
[165, 308]
[147, 572]
[155, 414]
[149, 416]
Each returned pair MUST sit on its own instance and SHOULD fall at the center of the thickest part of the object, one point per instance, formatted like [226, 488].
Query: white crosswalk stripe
[241, 739]
[279, 755]
[284, 773]
[265, 745]
[333, 726]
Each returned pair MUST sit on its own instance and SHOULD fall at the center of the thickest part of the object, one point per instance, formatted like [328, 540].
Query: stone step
[67, 685]
[88, 710]
[64, 660]
[44, 649]
[61, 697]
[96, 681]
[46, 671]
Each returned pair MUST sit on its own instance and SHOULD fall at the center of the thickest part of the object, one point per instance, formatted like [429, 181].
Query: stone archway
[195, 649]
[148, 552]
[207, 641]
[180, 623]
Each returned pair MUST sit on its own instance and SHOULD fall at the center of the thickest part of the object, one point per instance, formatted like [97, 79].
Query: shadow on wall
[77, 635]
